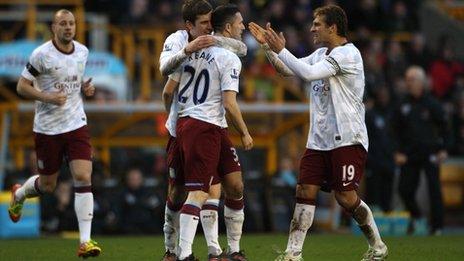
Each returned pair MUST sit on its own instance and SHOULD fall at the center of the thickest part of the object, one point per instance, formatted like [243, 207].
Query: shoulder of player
[223, 52]
[79, 48]
[177, 36]
[42, 49]
[224, 56]
[345, 49]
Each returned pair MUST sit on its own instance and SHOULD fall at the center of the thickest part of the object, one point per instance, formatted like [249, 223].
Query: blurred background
[126, 116]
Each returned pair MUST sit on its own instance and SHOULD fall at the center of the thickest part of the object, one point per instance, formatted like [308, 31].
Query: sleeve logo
[234, 74]
[167, 47]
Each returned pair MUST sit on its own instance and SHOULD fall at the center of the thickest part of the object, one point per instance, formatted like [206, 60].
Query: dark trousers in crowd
[379, 187]
[408, 184]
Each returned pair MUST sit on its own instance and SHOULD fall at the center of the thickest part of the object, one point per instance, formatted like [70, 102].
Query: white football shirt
[53, 71]
[173, 44]
[202, 79]
[336, 86]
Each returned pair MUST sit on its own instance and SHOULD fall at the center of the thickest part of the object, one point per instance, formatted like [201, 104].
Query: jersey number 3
[196, 100]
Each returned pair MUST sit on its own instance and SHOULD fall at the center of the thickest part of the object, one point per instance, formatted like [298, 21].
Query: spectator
[138, 206]
[458, 125]
[444, 70]
[380, 165]
[286, 176]
[418, 53]
[420, 128]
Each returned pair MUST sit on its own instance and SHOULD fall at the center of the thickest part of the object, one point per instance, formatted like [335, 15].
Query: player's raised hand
[88, 87]
[275, 41]
[57, 98]
[247, 141]
[199, 43]
[257, 32]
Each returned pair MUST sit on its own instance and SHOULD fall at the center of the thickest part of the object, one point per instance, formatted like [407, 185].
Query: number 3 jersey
[202, 79]
[54, 71]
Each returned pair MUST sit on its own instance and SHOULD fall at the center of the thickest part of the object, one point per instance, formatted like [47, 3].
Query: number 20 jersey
[202, 79]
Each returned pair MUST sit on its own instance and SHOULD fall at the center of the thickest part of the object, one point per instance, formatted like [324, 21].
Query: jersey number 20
[196, 100]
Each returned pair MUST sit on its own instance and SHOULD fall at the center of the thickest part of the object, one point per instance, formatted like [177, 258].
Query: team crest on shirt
[234, 74]
[80, 66]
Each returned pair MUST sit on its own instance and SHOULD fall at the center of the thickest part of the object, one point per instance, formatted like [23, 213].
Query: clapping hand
[275, 41]
[88, 87]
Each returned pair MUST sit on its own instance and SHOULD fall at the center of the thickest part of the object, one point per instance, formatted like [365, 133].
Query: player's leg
[313, 170]
[347, 170]
[175, 199]
[33, 187]
[210, 222]
[302, 220]
[78, 151]
[49, 152]
[199, 146]
[234, 214]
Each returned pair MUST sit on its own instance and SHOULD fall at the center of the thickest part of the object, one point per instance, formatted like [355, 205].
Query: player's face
[237, 27]
[320, 30]
[202, 26]
[64, 27]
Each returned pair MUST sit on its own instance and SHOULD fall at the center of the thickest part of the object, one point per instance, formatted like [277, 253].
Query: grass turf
[258, 247]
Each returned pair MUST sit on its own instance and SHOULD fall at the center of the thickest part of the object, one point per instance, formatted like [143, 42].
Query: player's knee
[306, 191]
[47, 186]
[345, 199]
[198, 196]
[82, 177]
[235, 190]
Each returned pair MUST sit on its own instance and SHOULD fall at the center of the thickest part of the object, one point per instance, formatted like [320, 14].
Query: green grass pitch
[258, 247]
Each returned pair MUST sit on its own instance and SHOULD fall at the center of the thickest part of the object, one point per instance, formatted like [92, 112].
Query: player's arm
[304, 70]
[278, 65]
[236, 46]
[308, 72]
[233, 110]
[168, 93]
[258, 33]
[173, 56]
[26, 89]
[25, 85]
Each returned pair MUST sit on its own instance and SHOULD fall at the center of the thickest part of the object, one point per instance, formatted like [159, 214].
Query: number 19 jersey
[202, 79]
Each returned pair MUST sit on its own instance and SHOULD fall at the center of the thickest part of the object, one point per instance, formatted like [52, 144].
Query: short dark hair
[334, 14]
[222, 15]
[193, 8]
[59, 12]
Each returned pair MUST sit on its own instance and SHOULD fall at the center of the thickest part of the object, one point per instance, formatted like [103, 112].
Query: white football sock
[234, 223]
[210, 224]
[27, 190]
[302, 220]
[171, 229]
[83, 205]
[363, 216]
[189, 218]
